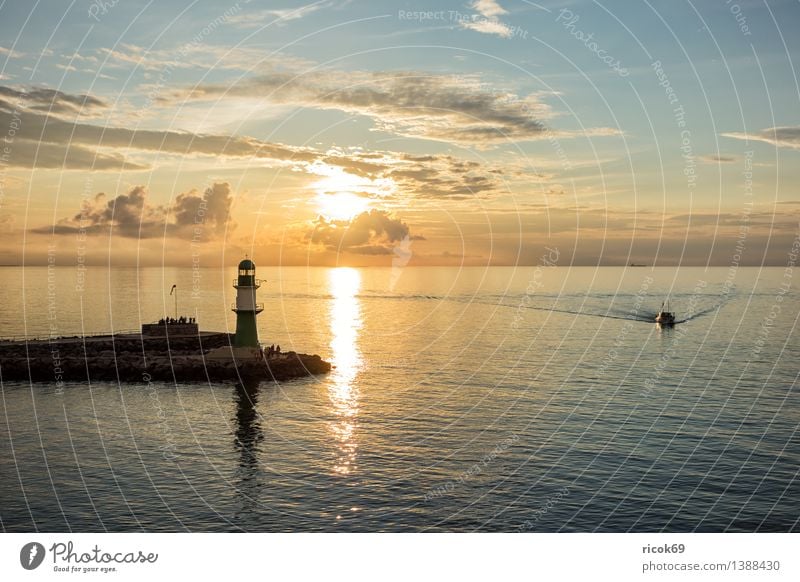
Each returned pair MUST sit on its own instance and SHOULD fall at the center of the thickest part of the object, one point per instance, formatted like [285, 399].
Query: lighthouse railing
[258, 307]
[258, 282]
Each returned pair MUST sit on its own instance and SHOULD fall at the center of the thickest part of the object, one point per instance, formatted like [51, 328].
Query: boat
[665, 316]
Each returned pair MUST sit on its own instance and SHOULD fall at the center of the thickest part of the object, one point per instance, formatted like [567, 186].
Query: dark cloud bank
[193, 216]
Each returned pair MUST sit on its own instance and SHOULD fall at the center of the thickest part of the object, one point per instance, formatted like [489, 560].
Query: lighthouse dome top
[247, 265]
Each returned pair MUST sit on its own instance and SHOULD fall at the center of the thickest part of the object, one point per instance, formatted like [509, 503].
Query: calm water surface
[501, 399]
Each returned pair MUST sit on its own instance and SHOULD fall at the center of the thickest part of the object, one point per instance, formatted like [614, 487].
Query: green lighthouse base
[246, 331]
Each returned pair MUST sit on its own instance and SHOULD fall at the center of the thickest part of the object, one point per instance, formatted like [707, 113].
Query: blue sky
[482, 130]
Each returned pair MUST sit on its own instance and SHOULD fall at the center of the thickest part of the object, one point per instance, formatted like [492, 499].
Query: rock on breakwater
[136, 358]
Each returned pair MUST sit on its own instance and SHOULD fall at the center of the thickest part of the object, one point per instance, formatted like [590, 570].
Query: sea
[522, 399]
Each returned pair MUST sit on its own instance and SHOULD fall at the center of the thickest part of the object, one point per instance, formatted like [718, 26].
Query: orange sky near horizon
[384, 138]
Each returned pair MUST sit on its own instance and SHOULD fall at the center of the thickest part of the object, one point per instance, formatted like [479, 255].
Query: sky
[358, 133]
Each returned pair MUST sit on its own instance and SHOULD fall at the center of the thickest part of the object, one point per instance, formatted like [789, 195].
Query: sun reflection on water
[345, 320]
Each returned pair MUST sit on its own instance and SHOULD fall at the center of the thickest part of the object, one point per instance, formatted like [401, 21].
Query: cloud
[449, 108]
[486, 20]
[193, 55]
[212, 210]
[718, 159]
[9, 53]
[787, 136]
[446, 177]
[278, 16]
[487, 26]
[127, 214]
[51, 101]
[30, 154]
[395, 175]
[56, 131]
[47, 141]
[43, 140]
[489, 8]
[369, 233]
[193, 216]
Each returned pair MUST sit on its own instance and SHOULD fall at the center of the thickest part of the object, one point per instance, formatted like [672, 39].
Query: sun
[343, 196]
[340, 205]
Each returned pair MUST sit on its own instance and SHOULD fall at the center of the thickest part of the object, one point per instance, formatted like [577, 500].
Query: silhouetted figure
[278, 349]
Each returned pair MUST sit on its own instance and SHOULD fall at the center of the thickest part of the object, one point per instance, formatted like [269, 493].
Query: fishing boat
[665, 316]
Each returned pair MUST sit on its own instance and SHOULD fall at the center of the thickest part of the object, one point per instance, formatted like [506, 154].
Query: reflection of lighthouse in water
[246, 307]
[247, 436]
[248, 428]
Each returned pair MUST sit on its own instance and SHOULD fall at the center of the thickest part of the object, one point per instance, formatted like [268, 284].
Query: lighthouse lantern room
[246, 307]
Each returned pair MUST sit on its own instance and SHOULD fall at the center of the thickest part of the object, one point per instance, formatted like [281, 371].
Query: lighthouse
[246, 307]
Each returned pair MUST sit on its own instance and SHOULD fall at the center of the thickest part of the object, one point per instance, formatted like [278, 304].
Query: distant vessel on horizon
[664, 316]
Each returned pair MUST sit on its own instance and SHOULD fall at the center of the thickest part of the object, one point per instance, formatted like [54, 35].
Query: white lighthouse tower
[246, 307]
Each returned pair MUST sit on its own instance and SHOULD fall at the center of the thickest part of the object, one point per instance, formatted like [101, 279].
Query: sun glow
[343, 196]
[345, 323]
[340, 205]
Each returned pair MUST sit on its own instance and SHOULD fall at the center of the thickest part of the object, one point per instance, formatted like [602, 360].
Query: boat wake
[602, 306]
[702, 312]
[643, 316]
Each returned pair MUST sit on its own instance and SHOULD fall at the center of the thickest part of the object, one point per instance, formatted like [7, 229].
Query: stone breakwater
[135, 358]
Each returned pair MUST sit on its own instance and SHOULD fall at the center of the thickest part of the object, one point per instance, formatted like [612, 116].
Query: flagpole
[175, 290]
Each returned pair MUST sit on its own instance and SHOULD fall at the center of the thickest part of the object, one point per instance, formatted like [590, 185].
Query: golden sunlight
[343, 196]
[340, 205]
[345, 322]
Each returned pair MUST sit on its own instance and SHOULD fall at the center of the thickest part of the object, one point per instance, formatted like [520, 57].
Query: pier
[173, 349]
[203, 357]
